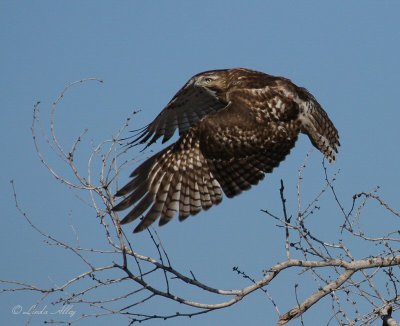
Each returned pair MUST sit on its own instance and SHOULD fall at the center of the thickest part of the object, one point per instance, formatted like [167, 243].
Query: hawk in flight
[235, 125]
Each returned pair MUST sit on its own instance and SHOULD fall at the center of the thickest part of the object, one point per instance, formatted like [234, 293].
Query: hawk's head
[214, 81]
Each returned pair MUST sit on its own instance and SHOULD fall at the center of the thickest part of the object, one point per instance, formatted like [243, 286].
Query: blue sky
[346, 54]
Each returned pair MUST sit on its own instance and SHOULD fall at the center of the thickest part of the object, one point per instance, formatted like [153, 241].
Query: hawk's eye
[208, 80]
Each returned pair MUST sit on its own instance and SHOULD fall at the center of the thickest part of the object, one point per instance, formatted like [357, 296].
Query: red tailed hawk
[235, 125]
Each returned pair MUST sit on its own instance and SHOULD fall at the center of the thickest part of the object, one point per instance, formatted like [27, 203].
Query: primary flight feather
[235, 125]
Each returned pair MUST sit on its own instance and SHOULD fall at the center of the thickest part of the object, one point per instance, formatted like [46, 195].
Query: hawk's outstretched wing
[175, 179]
[218, 154]
[188, 106]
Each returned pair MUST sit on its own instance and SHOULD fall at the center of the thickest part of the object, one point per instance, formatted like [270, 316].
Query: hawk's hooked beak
[197, 83]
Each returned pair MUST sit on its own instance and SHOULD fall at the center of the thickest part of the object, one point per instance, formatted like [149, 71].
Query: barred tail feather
[319, 128]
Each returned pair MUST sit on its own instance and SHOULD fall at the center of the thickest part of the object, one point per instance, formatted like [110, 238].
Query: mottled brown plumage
[235, 125]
